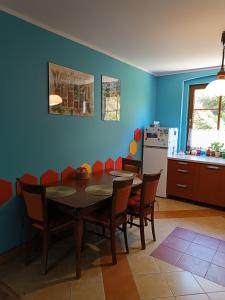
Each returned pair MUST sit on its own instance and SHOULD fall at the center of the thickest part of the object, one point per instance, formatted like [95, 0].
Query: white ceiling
[160, 36]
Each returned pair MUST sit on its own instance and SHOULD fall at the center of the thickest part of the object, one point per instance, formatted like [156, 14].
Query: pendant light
[54, 100]
[217, 87]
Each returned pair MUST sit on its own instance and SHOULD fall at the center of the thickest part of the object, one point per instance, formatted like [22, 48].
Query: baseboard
[6, 256]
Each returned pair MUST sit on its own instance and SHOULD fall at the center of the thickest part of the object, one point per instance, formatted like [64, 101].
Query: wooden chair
[132, 165]
[41, 217]
[114, 214]
[142, 205]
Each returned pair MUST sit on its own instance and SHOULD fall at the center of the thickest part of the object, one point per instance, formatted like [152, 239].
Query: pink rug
[197, 253]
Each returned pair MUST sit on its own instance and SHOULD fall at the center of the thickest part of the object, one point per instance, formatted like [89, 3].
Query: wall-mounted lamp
[54, 100]
[217, 87]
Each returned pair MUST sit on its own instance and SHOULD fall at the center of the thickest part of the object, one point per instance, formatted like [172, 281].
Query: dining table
[80, 201]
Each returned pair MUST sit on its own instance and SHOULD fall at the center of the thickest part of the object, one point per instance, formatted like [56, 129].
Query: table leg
[78, 235]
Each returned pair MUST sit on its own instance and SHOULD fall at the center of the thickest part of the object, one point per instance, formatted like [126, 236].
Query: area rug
[197, 253]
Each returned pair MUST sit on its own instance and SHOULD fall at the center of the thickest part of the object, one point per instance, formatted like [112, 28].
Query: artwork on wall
[71, 92]
[110, 98]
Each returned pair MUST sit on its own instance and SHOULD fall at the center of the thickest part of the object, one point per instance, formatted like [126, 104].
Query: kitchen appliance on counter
[159, 143]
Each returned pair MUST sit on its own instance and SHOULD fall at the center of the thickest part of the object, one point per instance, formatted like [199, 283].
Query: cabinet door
[211, 184]
[182, 179]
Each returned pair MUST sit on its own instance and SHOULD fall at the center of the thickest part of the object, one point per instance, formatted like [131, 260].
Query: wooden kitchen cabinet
[181, 179]
[211, 184]
[196, 181]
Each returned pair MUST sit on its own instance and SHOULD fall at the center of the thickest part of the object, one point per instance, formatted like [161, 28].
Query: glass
[202, 101]
[205, 119]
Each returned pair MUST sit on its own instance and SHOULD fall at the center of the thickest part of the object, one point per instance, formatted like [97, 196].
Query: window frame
[192, 89]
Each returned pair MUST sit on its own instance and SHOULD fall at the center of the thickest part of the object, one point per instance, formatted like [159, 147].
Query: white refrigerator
[159, 143]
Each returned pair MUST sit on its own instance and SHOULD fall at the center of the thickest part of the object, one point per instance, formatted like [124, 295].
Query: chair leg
[28, 244]
[131, 221]
[45, 251]
[142, 232]
[113, 244]
[125, 236]
[153, 225]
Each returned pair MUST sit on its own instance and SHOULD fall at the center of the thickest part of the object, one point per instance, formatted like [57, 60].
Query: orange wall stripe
[5, 190]
[137, 134]
[109, 164]
[97, 166]
[118, 163]
[67, 173]
[49, 177]
[27, 178]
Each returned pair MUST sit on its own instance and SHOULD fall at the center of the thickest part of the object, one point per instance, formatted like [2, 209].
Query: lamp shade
[54, 100]
[216, 88]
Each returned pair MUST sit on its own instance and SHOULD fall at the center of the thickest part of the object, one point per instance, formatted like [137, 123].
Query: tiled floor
[197, 253]
[137, 275]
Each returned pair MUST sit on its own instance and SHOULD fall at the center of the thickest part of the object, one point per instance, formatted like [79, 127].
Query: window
[206, 118]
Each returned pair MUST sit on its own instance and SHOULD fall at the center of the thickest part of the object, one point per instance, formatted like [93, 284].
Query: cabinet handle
[182, 163]
[213, 167]
[183, 186]
[182, 171]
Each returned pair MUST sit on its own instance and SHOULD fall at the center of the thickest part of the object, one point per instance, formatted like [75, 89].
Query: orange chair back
[149, 187]
[131, 165]
[35, 202]
[121, 194]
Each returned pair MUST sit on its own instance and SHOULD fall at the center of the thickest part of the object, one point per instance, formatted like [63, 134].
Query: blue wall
[33, 140]
[173, 96]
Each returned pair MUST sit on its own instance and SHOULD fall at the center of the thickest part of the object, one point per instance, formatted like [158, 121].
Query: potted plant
[217, 147]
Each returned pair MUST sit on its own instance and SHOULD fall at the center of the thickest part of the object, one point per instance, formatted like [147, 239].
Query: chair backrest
[149, 187]
[121, 194]
[131, 165]
[35, 201]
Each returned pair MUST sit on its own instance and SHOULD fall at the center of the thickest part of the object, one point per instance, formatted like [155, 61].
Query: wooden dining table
[82, 203]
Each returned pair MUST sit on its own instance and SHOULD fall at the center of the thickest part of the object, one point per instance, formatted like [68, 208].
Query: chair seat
[57, 222]
[134, 200]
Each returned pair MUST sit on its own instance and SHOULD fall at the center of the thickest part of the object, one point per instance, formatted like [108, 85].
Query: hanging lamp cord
[223, 42]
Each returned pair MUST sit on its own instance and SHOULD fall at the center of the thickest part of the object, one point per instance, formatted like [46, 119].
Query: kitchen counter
[198, 159]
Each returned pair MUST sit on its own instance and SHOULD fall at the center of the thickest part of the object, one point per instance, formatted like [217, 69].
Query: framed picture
[110, 98]
[71, 92]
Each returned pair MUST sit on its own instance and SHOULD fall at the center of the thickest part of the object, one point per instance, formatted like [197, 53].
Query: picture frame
[71, 92]
[110, 98]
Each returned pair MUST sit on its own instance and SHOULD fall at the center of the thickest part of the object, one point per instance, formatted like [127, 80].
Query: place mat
[59, 191]
[99, 190]
[136, 180]
[121, 173]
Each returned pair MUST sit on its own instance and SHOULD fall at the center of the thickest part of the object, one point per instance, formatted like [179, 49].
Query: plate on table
[136, 180]
[99, 190]
[121, 173]
[59, 191]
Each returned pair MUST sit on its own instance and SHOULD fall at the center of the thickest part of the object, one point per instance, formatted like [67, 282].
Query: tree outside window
[206, 118]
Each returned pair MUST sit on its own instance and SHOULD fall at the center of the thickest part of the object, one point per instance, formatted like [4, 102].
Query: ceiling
[160, 36]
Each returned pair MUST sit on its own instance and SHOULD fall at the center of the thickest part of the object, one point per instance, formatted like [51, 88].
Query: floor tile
[209, 286]
[201, 252]
[193, 297]
[184, 234]
[152, 286]
[222, 247]
[207, 241]
[216, 274]
[182, 283]
[167, 254]
[193, 265]
[143, 264]
[176, 243]
[165, 267]
[217, 296]
[219, 259]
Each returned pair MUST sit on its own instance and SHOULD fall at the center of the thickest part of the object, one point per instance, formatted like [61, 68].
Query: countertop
[198, 159]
